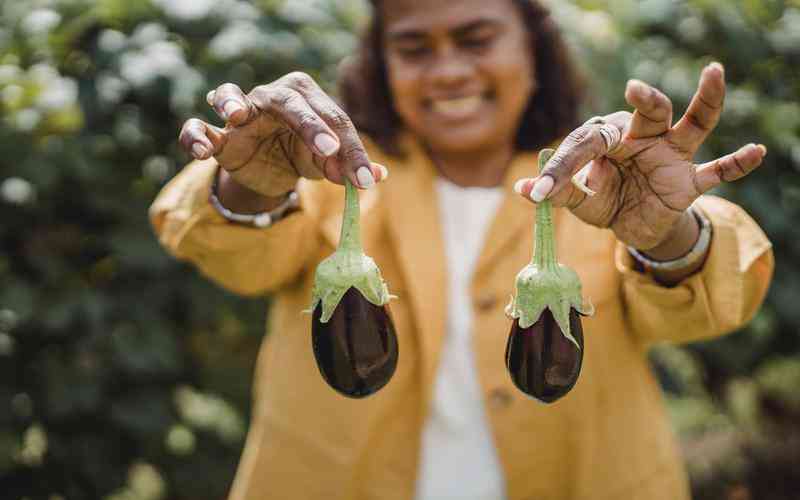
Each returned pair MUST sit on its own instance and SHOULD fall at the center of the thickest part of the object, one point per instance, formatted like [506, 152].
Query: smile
[460, 107]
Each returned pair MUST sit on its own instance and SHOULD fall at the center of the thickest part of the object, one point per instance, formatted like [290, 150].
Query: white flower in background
[111, 41]
[160, 58]
[27, 119]
[312, 12]
[43, 73]
[648, 71]
[157, 168]
[786, 38]
[335, 43]
[8, 319]
[34, 446]
[598, 28]
[110, 88]
[148, 33]
[740, 104]
[9, 73]
[6, 344]
[692, 29]
[12, 95]
[236, 39]
[188, 83]
[181, 440]
[17, 191]
[58, 94]
[186, 10]
[145, 482]
[236, 10]
[678, 81]
[40, 21]
[209, 412]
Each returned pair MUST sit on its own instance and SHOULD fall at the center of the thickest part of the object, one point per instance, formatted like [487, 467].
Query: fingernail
[365, 179]
[519, 185]
[542, 188]
[326, 144]
[763, 149]
[384, 171]
[210, 97]
[638, 86]
[199, 151]
[719, 66]
[230, 108]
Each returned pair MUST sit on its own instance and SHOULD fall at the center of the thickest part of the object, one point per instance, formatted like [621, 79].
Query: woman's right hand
[279, 132]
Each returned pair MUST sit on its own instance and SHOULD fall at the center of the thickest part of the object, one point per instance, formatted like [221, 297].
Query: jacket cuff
[715, 295]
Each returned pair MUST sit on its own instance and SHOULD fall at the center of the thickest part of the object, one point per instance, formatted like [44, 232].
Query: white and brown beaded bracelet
[695, 254]
[260, 220]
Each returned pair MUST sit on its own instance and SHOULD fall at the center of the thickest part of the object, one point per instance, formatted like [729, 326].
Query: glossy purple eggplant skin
[542, 362]
[356, 350]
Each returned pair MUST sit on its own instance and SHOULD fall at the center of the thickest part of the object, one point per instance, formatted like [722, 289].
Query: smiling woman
[499, 70]
[458, 98]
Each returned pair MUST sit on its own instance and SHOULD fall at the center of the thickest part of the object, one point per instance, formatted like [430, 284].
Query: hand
[279, 132]
[646, 181]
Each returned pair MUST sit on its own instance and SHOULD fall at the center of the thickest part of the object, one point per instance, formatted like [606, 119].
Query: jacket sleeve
[720, 298]
[245, 260]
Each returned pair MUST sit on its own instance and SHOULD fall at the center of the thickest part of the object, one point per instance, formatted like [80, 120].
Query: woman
[458, 97]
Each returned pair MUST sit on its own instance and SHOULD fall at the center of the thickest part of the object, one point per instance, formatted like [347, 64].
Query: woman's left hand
[640, 166]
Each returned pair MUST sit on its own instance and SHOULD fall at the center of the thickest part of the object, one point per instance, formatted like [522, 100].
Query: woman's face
[460, 71]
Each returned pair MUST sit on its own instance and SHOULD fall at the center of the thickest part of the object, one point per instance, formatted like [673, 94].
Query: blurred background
[126, 376]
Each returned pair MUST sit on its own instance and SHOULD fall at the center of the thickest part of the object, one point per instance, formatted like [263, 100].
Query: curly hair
[552, 110]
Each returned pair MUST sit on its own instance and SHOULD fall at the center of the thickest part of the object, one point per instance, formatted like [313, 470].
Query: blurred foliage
[124, 375]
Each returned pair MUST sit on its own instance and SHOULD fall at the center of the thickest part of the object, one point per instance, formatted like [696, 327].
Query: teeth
[460, 106]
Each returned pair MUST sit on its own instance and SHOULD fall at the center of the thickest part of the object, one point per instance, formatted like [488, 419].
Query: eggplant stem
[350, 239]
[544, 247]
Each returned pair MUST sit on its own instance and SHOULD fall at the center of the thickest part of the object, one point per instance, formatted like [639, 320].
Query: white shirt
[459, 460]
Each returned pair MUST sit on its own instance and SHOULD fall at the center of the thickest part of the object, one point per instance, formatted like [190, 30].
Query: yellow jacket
[609, 438]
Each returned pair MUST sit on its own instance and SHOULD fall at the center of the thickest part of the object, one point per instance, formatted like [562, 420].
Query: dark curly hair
[552, 110]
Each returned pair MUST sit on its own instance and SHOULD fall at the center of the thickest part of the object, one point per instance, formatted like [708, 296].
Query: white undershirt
[458, 459]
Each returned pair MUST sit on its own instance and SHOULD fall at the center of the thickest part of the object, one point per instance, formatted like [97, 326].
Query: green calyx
[348, 266]
[544, 283]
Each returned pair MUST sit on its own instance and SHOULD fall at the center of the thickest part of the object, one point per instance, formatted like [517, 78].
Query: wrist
[241, 199]
[672, 271]
[679, 242]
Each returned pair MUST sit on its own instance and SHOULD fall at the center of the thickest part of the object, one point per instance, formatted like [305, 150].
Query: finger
[728, 168]
[572, 195]
[195, 141]
[291, 108]
[231, 104]
[703, 112]
[352, 157]
[581, 146]
[653, 115]
[333, 173]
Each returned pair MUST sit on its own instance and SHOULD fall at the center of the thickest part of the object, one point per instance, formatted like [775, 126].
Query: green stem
[544, 246]
[350, 239]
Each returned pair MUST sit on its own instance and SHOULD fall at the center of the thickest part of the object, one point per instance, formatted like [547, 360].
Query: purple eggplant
[352, 333]
[544, 351]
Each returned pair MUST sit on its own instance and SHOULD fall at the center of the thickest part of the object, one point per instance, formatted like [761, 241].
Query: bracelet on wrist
[696, 254]
[259, 220]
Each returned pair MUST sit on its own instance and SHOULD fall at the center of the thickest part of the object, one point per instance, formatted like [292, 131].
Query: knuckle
[339, 119]
[281, 98]
[300, 79]
[308, 122]
[580, 135]
[354, 152]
